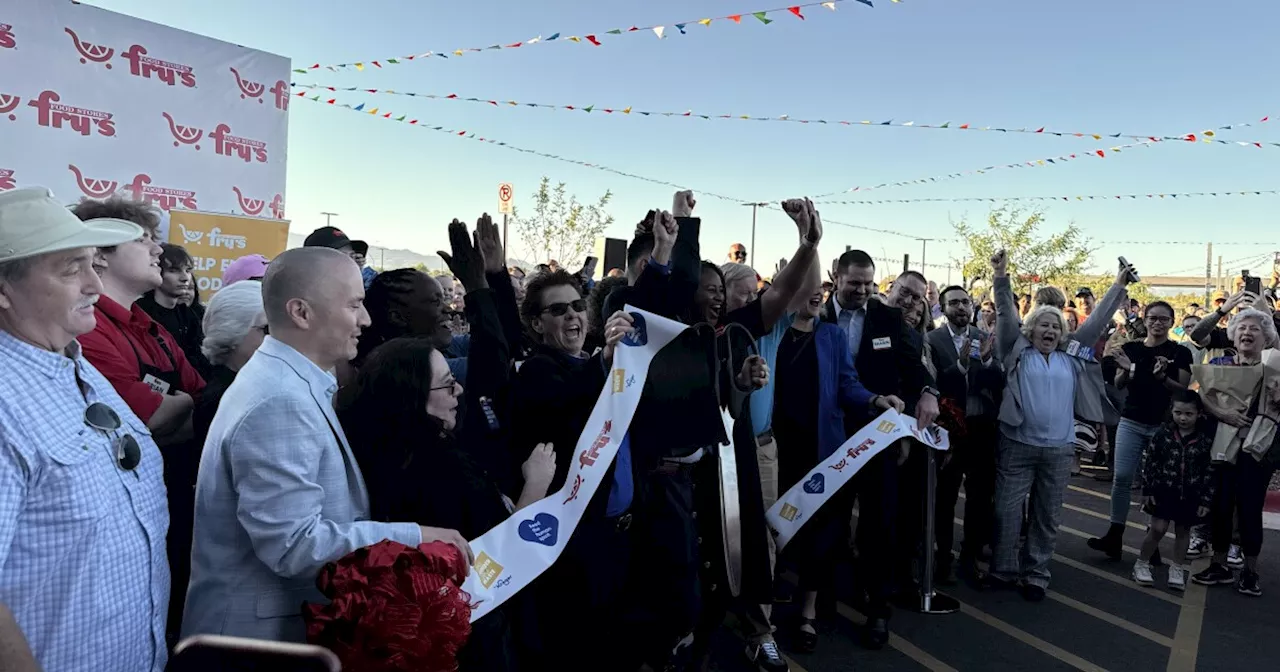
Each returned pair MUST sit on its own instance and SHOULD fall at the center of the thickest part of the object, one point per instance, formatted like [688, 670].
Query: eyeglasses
[1159, 319]
[264, 328]
[102, 418]
[559, 309]
[451, 385]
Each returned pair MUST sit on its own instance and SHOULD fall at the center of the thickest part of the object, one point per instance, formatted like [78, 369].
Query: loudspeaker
[612, 253]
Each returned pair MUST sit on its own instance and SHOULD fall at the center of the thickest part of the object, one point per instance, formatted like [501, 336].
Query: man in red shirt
[148, 368]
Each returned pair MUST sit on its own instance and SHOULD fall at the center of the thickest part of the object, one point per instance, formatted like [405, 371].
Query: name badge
[1073, 348]
[158, 386]
[975, 349]
[882, 343]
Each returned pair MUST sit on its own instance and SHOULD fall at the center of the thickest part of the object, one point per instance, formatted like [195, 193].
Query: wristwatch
[931, 390]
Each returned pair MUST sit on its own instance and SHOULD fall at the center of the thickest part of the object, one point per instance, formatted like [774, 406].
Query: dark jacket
[959, 379]
[1178, 467]
[898, 369]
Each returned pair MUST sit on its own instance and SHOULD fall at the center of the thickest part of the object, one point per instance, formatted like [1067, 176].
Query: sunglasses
[559, 309]
[102, 418]
[739, 255]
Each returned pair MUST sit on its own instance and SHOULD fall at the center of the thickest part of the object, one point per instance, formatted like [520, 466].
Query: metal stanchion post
[931, 601]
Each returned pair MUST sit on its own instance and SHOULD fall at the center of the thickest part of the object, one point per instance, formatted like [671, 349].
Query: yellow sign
[214, 241]
[487, 569]
[619, 380]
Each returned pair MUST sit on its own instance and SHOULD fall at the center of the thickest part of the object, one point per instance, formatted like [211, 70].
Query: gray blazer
[1090, 397]
[278, 496]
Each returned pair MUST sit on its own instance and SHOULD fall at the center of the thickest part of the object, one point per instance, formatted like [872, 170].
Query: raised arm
[795, 279]
[1096, 324]
[1008, 322]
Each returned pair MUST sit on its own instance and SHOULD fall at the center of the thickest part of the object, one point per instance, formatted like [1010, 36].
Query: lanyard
[154, 334]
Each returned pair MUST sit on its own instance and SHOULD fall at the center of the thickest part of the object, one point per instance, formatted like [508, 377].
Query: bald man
[279, 493]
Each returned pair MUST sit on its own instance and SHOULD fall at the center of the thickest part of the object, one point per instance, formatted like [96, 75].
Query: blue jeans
[1131, 440]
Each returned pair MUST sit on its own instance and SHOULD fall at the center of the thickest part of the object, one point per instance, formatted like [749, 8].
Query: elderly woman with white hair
[1241, 488]
[1051, 379]
[234, 326]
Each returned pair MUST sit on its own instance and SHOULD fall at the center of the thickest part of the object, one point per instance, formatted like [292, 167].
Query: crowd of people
[171, 468]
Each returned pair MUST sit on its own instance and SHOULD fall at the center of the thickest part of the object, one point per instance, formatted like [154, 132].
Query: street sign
[505, 194]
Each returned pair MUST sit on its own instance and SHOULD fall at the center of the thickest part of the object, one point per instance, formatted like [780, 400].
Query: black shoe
[1248, 584]
[1111, 543]
[1215, 575]
[806, 642]
[990, 582]
[875, 634]
[767, 657]
[942, 575]
[1031, 592]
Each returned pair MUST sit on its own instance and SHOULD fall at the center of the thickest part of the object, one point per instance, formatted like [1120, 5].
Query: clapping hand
[1122, 360]
[754, 374]
[490, 243]
[1000, 263]
[802, 212]
[1161, 368]
[616, 329]
[540, 468]
[682, 204]
[466, 263]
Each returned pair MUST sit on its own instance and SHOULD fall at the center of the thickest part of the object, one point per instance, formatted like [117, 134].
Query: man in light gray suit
[279, 493]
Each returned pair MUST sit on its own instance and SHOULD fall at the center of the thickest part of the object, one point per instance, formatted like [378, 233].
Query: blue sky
[1144, 66]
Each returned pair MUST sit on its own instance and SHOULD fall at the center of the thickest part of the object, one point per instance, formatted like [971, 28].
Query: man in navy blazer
[889, 360]
[279, 493]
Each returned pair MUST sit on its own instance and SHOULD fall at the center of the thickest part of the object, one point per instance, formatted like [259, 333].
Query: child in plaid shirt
[1176, 481]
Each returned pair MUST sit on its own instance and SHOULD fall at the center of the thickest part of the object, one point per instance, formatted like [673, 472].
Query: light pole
[754, 207]
[924, 245]
[328, 216]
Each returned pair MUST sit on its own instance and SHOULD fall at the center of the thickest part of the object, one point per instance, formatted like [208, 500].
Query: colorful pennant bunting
[593, 39]
[1036, 163]
[1113, 197]
[390, 116]
[1207, 136]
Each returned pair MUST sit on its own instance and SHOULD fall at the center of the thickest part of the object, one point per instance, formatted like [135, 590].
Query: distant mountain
[400, 258]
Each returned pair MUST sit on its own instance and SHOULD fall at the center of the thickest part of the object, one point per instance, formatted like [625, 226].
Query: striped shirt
[82, 542]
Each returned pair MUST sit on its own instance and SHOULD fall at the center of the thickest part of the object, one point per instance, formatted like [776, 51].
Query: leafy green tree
[1034, 260]
[561, 228]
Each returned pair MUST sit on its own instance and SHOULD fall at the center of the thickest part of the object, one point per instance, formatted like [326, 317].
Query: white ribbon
[797, 506]
[519, 549]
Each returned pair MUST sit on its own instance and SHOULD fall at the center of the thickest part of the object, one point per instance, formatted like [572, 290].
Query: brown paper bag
[1227, 388]
[1263, 431]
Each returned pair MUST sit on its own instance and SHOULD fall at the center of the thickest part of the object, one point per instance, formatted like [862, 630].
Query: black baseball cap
[1084, 291]
[333, 238]
[360, 247]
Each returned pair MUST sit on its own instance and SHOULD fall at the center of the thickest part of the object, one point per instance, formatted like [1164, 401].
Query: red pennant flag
[513, 46]
[592, 39]
[369, 90]
[964, 126]
[452, 96]
[332, 101]
[377, 64]
[632, 29]
[796, 11]
[1102, 154]
[1191, 137]
[1040, 130]
[570, 107]
[493, 103]
[313, 67]
[462, 132]
[415, 121]
[386, 116]
[736, 18]
[300, 94]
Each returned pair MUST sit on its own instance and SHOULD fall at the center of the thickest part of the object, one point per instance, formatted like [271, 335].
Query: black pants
[181, 462]
[972, 462]
[877, 491]
[1241, 492]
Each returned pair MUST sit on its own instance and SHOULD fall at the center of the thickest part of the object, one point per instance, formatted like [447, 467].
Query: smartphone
[1133, 272]
[589, 267]
[1252, 283]
[215, 653]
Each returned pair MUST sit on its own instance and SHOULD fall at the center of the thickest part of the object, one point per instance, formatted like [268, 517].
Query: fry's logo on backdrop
[164, 197]
[281, 91]
[251, 89]
[277, 206]
[93, 188]
[7, 39]
[9, 103]
[183, 135]
[80, 119]
[254, 206]
[6, 179]
[140, 64]
[225, 144]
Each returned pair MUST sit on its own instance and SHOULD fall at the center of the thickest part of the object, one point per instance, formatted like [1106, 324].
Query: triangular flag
[359, 66]
[360, 107]
[657, 30]
[588, 108]
[571, 38]
[373, 111]
[705, 22]
[763, 19]
[592, 39]
[377, 64]
[796, 11]
[736, 18]
[556, 36]
[867, 3]
[830, 5]
[680, 27]
[615, 31]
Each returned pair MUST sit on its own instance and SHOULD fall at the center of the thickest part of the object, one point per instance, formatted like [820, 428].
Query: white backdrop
[93, 102]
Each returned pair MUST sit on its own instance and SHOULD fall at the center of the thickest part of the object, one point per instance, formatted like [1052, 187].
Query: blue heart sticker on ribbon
[541, 530]
[815, 485]
[638, 337]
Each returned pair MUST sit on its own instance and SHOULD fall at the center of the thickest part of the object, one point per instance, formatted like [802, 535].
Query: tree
[1060, 259]
[561, 228]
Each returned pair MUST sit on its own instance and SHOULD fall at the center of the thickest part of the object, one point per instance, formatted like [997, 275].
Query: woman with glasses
[234, 326]
[400, 415]
[1151, 370]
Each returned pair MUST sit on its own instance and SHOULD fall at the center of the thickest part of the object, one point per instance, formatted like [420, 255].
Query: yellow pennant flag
[705, 22]
[626, 110]
[373, 111]
[575, 39]
[359, 66]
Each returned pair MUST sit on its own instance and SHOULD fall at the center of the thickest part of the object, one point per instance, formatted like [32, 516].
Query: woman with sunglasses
[400, 414]
[554, 394]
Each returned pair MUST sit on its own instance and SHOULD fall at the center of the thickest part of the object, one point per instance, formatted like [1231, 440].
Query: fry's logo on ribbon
[854, 452]
[6, 179]
[7, 39]
[588, 457]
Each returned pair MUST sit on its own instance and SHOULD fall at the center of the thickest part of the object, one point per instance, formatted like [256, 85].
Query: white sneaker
[1235, 557]
[1177, 577]
[1198, 548]
[1142, 573]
